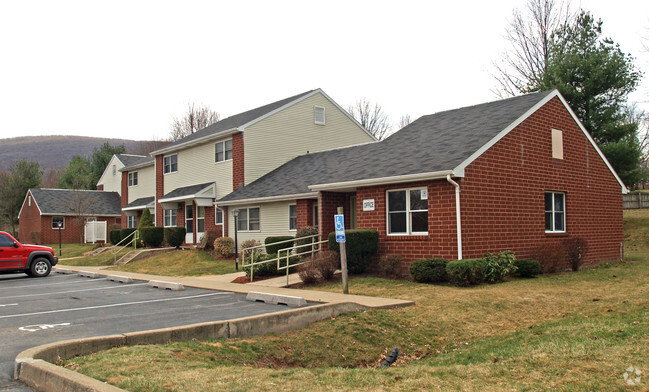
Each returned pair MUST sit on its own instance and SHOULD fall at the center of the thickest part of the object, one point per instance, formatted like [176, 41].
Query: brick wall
[238, 174]
[304, 213]
[159, 189]
[100, 187]
[72, 231]
[330, 201]
[502, 198]
[124, 197]
[30, 220]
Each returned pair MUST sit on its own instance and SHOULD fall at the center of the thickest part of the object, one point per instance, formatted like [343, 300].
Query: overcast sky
[126, 68]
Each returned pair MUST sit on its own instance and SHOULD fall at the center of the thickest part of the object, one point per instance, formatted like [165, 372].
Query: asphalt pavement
[35, 311]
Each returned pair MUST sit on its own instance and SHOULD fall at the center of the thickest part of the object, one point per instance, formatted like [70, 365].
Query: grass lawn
[180, 263]
[565, 332]
[71, 250]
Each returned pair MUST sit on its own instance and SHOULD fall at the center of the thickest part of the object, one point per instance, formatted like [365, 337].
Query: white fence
[95, 231]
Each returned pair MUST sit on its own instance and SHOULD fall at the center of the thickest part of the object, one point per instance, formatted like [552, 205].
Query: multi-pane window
[58, 221]
[131, 221]
[248, 219]
[200, 219]
[319, 115]
[132, 179]
[170, 218]
[170, 164]
[223, 151]
[218, 216]
[292, 217]
[408, 211]
[555, 212]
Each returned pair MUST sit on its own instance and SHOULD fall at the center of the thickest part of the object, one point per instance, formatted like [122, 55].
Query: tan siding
[112, 183]
[196, 166]
[292, 132]
[273, 222]
[145, 186]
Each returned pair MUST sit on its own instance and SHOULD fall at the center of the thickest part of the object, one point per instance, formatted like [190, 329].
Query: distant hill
[54, 152]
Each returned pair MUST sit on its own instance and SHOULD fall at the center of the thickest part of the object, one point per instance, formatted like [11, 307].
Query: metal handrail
[315, 247]
[136, 238]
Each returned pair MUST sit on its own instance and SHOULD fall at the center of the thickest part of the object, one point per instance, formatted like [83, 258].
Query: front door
[189, 223]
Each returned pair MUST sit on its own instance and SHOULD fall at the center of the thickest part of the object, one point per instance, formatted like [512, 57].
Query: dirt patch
[246, 279]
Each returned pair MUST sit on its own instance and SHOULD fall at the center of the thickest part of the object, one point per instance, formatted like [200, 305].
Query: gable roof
[136, 163]
[124, 159]
[231, 123]
[433, 146]
[62, 201]
[191, 190]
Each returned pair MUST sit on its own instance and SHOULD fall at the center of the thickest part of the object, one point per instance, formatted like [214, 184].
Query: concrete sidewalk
[270, 286]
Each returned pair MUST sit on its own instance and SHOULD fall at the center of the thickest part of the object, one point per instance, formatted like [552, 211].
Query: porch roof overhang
[350, 186]
[140, 204]
[202, 195]
[269, 199]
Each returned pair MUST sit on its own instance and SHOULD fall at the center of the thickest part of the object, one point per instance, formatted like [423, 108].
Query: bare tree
[531, 36]
[194, 120]
[371, 118]
[404, 121]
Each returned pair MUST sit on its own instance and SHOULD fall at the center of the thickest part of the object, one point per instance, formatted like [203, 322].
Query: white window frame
[62, 220]
[218, 212]
[292, 220]
[200, 218]
[247, 228]
[227, 153]
[132, 179]
[554, 213]
[315, 115]
[170, 165]
[171, 216]
[132, 224]
[114, 169]
[408, 212]
[315, 216]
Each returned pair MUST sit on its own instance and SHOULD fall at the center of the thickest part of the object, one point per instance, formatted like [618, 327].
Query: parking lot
[61, 307]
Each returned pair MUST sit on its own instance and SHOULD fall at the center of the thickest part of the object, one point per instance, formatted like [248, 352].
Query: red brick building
[516, 174]
[44, 209]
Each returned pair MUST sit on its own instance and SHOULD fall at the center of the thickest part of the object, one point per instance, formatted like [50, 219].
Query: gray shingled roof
[62, 201]
[135, 161]
[129, 159]
[432, 143]
[142, 202]
[186, 191]
[235, 121]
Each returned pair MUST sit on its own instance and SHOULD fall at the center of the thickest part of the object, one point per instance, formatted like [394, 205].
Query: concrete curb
[35, 366]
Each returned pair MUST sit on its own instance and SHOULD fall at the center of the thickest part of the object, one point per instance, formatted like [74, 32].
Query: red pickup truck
[34, 260]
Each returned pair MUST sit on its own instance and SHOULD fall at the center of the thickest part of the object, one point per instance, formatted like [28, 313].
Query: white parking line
[73, 291]
[49, 284]
[3, 305]
[113, 305]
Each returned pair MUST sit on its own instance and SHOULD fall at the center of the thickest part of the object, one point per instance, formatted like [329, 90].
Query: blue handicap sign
[339, 221]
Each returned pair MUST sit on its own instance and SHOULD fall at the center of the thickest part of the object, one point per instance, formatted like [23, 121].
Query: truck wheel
[41, 267]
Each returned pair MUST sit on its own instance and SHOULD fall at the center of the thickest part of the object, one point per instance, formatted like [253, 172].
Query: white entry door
[189, 223]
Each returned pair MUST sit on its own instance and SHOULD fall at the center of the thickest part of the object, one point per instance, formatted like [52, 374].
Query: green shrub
[269, 241]
[305, 231]
[527, 268]
[123, 233]
[146, 220]
[390, 265]
[361, 245]
[270, 268]
[115, 236]
[224, 246]
[498, 266]
[152, 236]
[466, 272]
[175, 236]
[429, 270]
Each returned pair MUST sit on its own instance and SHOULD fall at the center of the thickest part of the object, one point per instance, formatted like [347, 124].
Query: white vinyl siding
[292, 132]
[197, 166]
[146, 184]
[273, 222]
[112, 177]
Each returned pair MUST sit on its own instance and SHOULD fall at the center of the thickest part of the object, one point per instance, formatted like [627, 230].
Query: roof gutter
[458, 218]
[268, 199]
[382, 180]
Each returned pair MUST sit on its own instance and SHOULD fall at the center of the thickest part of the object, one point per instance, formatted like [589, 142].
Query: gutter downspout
[457, 215]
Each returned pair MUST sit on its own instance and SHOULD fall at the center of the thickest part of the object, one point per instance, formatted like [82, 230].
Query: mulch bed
[246, 279]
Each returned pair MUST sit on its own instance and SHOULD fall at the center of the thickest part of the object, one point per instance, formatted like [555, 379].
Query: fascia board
[279, 109]
[381, 181]
[138, 166]
[204, 139]
[348, 115]
[23, 205]
[109, 165]
[268, 199]
[198, 195]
